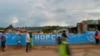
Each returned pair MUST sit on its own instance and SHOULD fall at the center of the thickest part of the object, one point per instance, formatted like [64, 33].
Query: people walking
[3, 42]
[64, 36]
[97, 37]
[63, 51]
[31, 40]
[28, 46]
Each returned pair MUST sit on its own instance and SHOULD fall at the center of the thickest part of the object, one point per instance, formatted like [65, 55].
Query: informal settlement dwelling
[88, 25]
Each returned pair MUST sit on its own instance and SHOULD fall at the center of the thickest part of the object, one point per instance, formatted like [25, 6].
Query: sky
[36, 13]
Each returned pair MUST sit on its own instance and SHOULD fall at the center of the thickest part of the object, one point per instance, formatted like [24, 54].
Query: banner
[50, 39]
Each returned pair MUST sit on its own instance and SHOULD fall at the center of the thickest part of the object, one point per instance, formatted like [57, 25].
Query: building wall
[83, 26]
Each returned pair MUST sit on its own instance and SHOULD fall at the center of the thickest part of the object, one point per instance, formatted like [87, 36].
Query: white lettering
[53, 37]
[42, 37]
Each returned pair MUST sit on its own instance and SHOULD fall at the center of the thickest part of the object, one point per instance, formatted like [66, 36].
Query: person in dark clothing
[96, 39]
[31, 39]
[58, 40]
[64, 33]
[64, 36]
[3, 42]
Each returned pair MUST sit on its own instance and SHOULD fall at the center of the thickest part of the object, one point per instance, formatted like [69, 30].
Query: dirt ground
[36, 51]
[76, 50]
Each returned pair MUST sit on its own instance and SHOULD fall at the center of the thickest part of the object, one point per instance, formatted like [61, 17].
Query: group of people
[29, 41]
[64, 49]
[62, 41]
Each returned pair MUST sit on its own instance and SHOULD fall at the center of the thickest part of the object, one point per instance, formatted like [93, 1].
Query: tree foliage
[48, 29]
[10, 27]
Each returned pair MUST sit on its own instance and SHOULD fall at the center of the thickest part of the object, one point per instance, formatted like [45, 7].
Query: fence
[50, 39]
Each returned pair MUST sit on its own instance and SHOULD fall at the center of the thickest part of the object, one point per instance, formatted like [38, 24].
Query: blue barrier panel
[50, 39]
[23, 39]
[44, 39]
[80, 38]
[76, 39]
[12, 39]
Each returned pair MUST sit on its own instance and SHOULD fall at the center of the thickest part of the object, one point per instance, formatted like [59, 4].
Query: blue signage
[50, 39]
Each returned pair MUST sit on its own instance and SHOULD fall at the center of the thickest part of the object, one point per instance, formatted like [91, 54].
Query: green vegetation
[48, 29]
[10, 27]
[1, 28]
[45, 29]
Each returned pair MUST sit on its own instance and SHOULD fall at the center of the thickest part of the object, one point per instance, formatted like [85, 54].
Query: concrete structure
[1, 31]
[88, 25]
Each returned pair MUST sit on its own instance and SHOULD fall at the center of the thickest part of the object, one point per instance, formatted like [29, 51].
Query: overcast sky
[47, 12]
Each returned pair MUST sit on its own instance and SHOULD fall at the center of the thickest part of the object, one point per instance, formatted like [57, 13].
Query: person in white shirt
[27, 42]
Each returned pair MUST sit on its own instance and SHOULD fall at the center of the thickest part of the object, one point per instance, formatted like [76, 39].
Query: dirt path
[30, 53]
[76, 50]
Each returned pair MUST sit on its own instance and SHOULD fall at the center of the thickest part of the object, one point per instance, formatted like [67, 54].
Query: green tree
[1, 28]
[10, 27]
